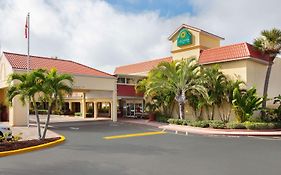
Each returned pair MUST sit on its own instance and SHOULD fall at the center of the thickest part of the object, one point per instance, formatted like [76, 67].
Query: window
[130, 81]
[121, 80]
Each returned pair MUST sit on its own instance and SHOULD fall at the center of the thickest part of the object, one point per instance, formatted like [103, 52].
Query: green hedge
[235, 125]
[201, 124]
[217, 124]
[259, 125]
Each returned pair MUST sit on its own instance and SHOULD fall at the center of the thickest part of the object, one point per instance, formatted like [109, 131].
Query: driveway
[87, 152]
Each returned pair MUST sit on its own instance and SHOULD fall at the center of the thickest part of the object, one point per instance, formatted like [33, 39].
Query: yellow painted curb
[134, 135]
[32, 148]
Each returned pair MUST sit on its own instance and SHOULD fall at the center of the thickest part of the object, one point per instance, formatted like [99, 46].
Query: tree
[182, 78]
[163, 99]
[215, 82]
[27, 86]
[55, 87]
[228, 97]
[269, 43]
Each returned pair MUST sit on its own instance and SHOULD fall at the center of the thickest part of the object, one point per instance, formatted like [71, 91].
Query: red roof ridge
[231, 52]
[152, 60]
[57, 59]
[226, 46]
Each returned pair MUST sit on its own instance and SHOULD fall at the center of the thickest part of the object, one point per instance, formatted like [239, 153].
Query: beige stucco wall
[5, 70]
[233, 69]
[208, 41]
[193, 53]
[93, 83]
[256, 75]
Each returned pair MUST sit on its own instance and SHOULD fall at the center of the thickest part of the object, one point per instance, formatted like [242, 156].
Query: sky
[104, 34]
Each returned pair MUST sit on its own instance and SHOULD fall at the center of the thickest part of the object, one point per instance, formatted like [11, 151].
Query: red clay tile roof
[231, 52]
[141, 67]
[19, 61]
[127, 91]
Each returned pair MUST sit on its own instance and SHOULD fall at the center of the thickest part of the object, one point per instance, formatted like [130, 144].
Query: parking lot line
[134, 135]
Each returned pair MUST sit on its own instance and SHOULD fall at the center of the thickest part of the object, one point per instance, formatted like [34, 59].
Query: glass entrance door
[130, 110]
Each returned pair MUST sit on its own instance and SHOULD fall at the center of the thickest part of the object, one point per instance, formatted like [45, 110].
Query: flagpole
[28, 60]
[28, 38]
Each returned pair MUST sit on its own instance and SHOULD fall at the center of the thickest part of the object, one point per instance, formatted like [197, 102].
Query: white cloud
[97, 34]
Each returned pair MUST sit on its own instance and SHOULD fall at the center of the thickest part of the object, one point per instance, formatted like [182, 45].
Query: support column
[18, 113]
[70, 106]
[114, 105]
[95, 110]
[83, 106]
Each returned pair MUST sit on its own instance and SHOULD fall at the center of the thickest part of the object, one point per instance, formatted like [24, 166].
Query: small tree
[215, 83]
[27, 86]
[245, 102]
[55, 87]
[182, 78]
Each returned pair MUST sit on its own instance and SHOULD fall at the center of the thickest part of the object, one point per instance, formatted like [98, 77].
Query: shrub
[259, 125]
[178, 121]
[272, 115]
[78, 114]
[42, 111]
[235, 125]
[162, 118]
[245, 103]
[201, 124]
[277, 125]
[216, 124]
[172, 121]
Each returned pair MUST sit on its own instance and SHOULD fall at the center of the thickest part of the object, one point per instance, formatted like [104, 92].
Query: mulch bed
[8, 146]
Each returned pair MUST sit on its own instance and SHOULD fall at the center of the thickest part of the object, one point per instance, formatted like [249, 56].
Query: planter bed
[9, 146]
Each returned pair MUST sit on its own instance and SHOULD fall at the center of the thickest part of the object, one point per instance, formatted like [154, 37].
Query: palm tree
[182, 78]
[55, 87]
[215, 82]
[27, 86]
[269, 43]
[228, 97]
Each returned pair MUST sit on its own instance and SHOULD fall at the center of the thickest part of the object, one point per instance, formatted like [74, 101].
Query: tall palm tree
[182, 78]
[269, 43]
[27, 86]
[55, 87]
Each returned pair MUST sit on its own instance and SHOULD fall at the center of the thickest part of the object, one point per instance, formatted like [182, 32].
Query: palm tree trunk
[266, 83]
[213, 112]
[181, 108]
[37, 118]
[47, 121]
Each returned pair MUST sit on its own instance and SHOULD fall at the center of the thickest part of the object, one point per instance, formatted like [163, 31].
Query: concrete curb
[207, 131]
[33, 148]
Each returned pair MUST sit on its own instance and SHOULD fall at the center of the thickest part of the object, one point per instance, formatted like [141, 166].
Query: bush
[178, 121]
[259, 125]
[78, 114]
[216, 124]
[245, 103]
[235, 125]
[272, 115]
[42, 111]
[201, 124]
[162, 118]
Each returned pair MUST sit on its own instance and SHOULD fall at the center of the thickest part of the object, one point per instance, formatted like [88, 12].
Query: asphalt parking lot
[87, 152]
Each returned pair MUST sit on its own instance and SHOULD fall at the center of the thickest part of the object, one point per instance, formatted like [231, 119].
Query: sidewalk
[29, 133]
[203, 131]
